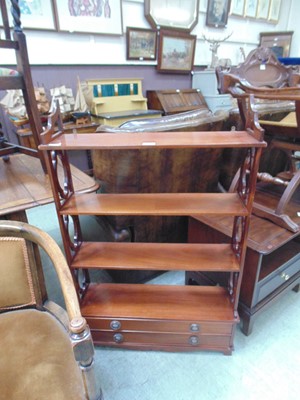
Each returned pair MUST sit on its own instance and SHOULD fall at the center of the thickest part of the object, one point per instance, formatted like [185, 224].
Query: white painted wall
[48, 48]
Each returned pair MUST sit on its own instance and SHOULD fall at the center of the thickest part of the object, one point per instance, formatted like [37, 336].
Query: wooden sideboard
[272, 263]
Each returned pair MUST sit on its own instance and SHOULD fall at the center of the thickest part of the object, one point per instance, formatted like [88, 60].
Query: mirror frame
[155, 23]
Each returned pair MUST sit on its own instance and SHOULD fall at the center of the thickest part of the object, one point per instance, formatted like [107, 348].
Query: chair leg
[83, 348]
[93, 389]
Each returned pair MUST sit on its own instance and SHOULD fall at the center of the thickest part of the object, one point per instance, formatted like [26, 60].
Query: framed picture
[274, 10]
[141, 44]
[103, 17]
[237, 7]
[217, 13]
[279, 42]
[251, 8]
[35, 14]
[171, 14]
[263, 9]
[176, 52]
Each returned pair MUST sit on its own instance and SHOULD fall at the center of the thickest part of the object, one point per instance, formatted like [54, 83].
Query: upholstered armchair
[46, 352]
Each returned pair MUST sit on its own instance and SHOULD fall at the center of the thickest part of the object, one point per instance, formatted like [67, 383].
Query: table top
[24, 184]
[264, 236]
[288, 121]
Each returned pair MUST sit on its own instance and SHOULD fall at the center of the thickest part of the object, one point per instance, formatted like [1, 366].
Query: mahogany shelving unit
[144, 316]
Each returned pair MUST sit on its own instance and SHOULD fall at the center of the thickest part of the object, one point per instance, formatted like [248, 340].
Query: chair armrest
[47, 243]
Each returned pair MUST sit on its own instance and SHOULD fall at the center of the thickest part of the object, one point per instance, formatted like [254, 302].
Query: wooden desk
[24, 185]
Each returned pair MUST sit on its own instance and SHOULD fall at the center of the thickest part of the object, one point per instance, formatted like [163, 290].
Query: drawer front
[186, 327]
[277, 278]
[161, 340]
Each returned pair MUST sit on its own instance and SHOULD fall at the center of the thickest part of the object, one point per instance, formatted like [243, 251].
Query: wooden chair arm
[47, 243]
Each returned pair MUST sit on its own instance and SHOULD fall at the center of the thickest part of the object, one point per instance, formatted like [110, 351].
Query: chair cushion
[37, 359]
[16, 286]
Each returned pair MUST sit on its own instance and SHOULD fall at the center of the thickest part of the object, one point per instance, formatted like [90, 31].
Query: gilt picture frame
[176, 52]
[263, 9]
[89, 17]
[35, 14]
[237, 7]
[274, 11]
[250, 8]
[279, 42]
[141, 44]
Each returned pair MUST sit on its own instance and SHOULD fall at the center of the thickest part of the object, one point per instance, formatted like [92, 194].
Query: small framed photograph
[176, 52]
[103, 17]
[278, 42]
[251, 8]
[263, 9]
[237, 7]
[274, 10]
[217, 13]
[141, 44]
[35, 14]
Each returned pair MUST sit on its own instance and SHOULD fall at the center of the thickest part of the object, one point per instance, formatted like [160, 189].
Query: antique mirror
[177, 14]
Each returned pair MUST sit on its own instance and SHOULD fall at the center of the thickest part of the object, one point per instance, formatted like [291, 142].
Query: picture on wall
[278, 42]
[172, 14]
[176, 52]
[237, 7]
[35, 14]
[274, 11]
[251, 8]
[141, 44]
[217, 13]
[103, 16]
[263, 9]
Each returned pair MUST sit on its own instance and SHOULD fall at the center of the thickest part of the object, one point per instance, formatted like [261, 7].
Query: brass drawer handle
[115, 325]
[194, 340]
[284, 276]
[118, 337]
[194, 327]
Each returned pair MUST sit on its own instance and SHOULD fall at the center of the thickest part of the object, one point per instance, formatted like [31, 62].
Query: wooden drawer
[277, 278]
[163, 341]
[140, 325]
[162, 335]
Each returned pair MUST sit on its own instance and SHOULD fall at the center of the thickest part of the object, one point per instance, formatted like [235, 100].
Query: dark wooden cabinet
[272, 264]
[161, 317]
[176, 101]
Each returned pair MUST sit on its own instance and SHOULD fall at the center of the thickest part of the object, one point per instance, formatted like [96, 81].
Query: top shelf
[139, 140]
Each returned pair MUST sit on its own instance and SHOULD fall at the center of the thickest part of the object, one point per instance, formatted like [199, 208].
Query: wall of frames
[95, 32]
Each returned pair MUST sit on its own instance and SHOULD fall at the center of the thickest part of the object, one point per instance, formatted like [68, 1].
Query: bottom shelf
[160, 317]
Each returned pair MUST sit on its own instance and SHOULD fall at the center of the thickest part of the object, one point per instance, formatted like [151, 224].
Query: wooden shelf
[161, 302]
[155, 204]
[163, 317]
[156, 256]
[213, 139]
